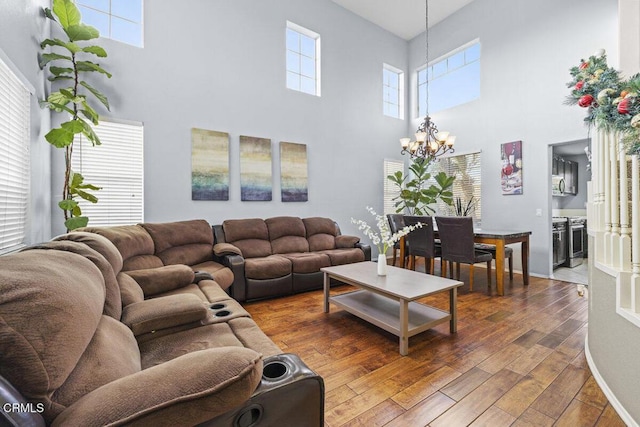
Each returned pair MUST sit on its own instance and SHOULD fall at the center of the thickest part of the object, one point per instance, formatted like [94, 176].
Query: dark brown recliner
[456, 239]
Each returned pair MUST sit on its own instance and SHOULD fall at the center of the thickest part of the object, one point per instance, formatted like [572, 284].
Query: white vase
[382, 264]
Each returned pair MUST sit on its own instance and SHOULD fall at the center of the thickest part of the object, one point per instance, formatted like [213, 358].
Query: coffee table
[389, 301]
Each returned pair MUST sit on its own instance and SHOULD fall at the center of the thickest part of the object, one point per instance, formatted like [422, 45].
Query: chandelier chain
[426, 14]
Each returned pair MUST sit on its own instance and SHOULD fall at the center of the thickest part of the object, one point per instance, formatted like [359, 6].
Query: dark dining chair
[396, 223]
[508, 254]
[456, 239]
[421, 242]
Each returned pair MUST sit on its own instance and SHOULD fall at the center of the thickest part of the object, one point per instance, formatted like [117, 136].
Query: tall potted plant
[416, 195]
[67, 65]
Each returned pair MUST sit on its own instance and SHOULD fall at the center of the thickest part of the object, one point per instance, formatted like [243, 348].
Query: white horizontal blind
[467, 168]
[14, 159]
[391, 191]
[117, 167]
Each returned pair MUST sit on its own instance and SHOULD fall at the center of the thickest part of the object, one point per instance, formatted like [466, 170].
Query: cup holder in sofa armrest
[284, 376]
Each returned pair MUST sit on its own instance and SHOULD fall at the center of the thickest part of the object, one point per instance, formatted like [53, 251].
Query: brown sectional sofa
[100, 333]
[147, 247]
[282, 255]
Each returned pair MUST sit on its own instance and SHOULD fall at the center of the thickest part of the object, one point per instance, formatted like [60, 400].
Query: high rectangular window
[453, 80]
[303, 59]
[115, 19]
[116, 165]
[14, 159]
[392, 92]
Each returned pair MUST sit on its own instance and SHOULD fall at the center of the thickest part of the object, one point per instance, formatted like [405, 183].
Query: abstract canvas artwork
[209, 165]
[293, 172]
[511, 172]
[255, 169]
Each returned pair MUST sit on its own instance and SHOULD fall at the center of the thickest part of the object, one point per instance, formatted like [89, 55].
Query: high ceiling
[404, 18]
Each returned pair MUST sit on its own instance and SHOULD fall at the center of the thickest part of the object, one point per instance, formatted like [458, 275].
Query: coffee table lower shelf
[384, 312]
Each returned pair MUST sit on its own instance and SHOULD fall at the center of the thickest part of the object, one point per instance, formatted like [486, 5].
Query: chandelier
[429, 143]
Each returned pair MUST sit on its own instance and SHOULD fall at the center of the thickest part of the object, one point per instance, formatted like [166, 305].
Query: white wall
[527, 50]
[221, 66]
[22, 28]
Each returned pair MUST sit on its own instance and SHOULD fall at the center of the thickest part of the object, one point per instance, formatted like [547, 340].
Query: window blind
[14, 159]
[391, 191]
[117, 167]
[468, 183]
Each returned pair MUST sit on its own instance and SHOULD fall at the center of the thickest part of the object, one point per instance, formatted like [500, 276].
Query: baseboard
[613, 400]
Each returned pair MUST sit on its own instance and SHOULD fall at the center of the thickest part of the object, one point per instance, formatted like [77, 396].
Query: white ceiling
[404, 18]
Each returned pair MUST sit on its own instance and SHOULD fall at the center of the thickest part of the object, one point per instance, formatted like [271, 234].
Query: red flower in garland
[585, 100]
[579, 85]
[623, 106]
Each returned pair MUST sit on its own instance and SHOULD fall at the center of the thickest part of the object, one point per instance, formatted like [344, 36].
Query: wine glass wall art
[511, 167]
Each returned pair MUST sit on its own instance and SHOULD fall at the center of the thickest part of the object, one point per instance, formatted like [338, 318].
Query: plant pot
[382, 264]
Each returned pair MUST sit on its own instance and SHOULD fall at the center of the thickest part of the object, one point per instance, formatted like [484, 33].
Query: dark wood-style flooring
[516, 360]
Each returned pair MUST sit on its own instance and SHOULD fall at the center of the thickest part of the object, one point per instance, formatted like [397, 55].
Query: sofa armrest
[343, 241]
[162, 313]
[238, 289]
[187, 390]
[366, 249]
[224, 249]
[163, 279]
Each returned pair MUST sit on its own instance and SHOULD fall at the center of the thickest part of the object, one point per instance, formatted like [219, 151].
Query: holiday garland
[612, 103]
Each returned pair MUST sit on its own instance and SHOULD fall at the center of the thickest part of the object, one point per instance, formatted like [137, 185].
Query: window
[392, 92]
[117, 167]
[14, 159]
[391, 191]
[303, 59]
[115, 19]
[467, 170]
[453, 80]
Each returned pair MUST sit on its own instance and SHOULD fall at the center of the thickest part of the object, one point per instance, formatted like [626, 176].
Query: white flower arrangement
[383, 239]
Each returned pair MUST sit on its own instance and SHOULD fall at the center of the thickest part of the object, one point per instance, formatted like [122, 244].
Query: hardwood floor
[516, 360]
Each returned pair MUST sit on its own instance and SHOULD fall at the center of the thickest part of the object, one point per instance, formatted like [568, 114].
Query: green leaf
[97, 94]
[57, 71]
[90, 66]
[91, 115]
[73, 126]
[59, 78]
[90, 134]
[76, 222]
[48, 14]
[70, 46]
[59, 107]
[67, 13]
[87, 196]
[96, 50]
[58, 98]
[82, 32]
[67, 204]
[59, 137]
[48, 57]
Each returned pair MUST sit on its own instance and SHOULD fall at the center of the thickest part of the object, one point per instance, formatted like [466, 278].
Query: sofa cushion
[269, 267]
[113, 302]
[321, 233]
[162, 313]
[130, 290]
[251, 236]
[134, 244]
[182, 242]
[345, 256]
[287, 234]
[346, 241]
[308, 262]
[155, 281]
[51, 303]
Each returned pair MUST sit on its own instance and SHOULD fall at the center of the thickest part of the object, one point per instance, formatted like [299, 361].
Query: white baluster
[635, 234]
[625, 227]
[606, 249]
[614, 205]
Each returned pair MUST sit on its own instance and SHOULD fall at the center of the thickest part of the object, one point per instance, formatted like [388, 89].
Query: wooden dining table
[499, 238]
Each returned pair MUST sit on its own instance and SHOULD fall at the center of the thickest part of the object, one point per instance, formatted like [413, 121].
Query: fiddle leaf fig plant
[75, 99]
[416, 198]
